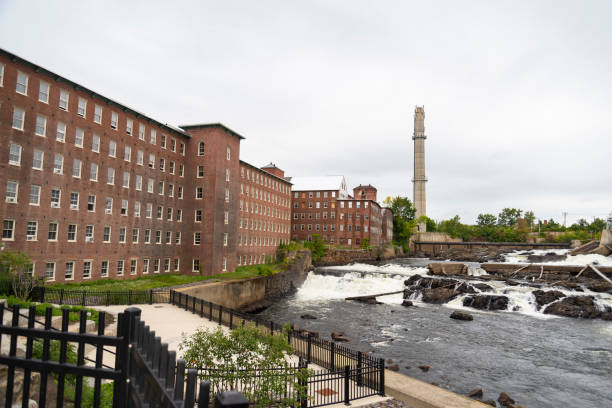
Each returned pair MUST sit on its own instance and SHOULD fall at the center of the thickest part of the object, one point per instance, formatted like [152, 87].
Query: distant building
[94, 189]
[322, 205]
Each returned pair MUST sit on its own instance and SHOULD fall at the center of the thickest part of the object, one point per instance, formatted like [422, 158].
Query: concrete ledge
[419, 394]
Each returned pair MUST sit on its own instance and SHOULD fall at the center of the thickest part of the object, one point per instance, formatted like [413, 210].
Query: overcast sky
[517, 94]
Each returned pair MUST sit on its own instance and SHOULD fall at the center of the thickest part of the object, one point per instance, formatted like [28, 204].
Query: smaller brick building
[323, 206]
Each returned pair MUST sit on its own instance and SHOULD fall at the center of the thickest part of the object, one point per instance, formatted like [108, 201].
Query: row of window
[311, 194]
[332, 227]
[255, 240]
[263, 195]
[79, 141]
[12, 195]
[265, 181]
[85, 269]
[317, 215]
[261, 225]
[44, 91]
[263, 210]
[71, 233]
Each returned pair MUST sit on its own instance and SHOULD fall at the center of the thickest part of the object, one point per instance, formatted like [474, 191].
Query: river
[540, 360]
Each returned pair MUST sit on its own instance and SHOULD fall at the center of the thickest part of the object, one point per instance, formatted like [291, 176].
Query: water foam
[363, 279]
[582, 259]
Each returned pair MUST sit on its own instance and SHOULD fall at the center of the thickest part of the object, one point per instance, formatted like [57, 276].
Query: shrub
[317, 247]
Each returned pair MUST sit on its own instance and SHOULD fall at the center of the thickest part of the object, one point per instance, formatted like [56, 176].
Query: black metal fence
[352, 374]
[142, 372]
[99, 297]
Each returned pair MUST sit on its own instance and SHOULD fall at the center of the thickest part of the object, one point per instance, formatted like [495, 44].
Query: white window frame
[22, 76]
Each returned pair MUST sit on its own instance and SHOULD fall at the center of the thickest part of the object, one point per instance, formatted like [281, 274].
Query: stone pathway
[392, 403]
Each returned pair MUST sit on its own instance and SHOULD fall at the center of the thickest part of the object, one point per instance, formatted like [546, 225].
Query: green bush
[317, 247]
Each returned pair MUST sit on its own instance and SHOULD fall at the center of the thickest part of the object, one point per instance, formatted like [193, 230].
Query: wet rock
[601, 287]
[548, 257]
[574, 306]
[483, 287]
[407, 303]
[477, 393]
[425, 368]
[435, 383]
[505, 399]
[308, 317]
[389, 360]
[490, 402]
[339, 336]
[486, 302]
[447, 268]
[407, 367]
[439, 295]
[458, 315]
[606, 316]
[393, 367]
[545, 297]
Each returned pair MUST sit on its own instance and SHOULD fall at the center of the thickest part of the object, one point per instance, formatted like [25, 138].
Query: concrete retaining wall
[239, 294]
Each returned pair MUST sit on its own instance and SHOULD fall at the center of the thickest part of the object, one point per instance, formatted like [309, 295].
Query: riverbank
[540, 360]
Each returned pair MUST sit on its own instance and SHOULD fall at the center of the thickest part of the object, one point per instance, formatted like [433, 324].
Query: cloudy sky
[517, 94]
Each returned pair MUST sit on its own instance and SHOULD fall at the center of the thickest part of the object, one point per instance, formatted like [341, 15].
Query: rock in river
[477, 393]
[458, 315]
[486, 302]
[505, 399]
[308, 317]
[574, 306]
[545, 297]
[439, 295]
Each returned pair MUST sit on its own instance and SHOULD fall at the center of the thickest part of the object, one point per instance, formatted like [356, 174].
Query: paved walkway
[171, 322]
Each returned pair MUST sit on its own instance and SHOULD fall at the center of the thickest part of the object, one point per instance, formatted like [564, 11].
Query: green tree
[486, 220]
[317, 247]
[229, 359]
[431, 224]
[456, 229]
[508, 217]
[530, 218]
[403, 219]
[597, 226]
[17, 267]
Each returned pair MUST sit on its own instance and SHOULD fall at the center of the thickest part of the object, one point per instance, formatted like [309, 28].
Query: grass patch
[73, 316]
[162, 281]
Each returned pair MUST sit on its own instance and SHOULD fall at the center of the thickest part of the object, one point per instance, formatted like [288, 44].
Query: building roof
[267, 174]
[209, 125]
[270, 166]
[368, 186]
[315, 183]
[93, 94]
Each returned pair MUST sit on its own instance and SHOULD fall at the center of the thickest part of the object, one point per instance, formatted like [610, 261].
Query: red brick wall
[264, 214]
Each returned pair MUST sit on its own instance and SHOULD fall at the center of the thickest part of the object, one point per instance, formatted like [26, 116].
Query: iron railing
[99, 297]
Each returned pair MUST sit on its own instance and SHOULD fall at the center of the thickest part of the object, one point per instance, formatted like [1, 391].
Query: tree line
[510, 225]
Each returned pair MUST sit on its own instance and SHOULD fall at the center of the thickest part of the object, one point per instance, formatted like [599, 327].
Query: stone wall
[335, 257]
[253, 293]
[475, 251]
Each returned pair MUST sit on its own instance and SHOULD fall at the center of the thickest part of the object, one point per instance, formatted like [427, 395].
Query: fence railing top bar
[93, 339]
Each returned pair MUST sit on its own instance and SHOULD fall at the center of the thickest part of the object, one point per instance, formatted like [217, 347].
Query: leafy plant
[246, 359]
[317, 247]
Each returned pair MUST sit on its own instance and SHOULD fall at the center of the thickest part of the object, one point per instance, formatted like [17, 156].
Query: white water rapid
[335, 283]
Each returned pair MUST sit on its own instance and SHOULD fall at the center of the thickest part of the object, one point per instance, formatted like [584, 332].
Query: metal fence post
[129, 297]
[61, 302]
[204, 397]
[347, 374]
[107, 298]
[381, 368]
[42, 295]
[210, 311]
[359, 369]
[309, 350]
[271, 328]
[303, 380]
[150, 296]
[231, 319]
[220, 315]
[332, 355]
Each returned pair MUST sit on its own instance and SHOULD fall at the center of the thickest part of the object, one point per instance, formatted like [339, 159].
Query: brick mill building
[323, 206]
[95, 189]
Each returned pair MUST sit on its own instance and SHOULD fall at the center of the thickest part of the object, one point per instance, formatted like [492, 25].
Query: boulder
[545, 297]
[505, 399]
[548, 257]
[308, 317]
[486, 302]
[447, 268]
[490, 402]
[477, 393]
[439, 295]
[393, 367]
[339, 336]
[483, 287]
[407, 303]
[458, 315]
[574, 306]
[425, 368]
